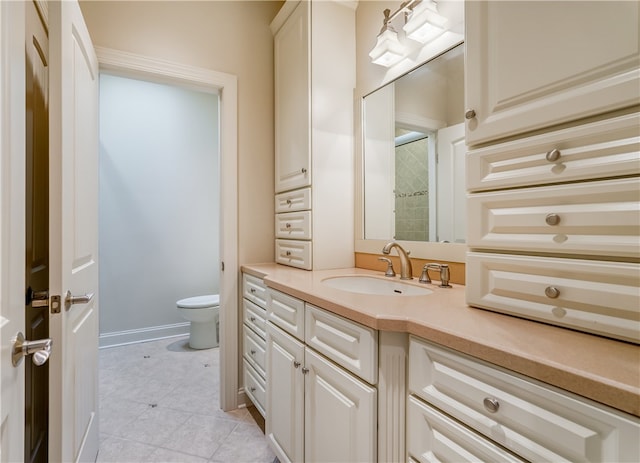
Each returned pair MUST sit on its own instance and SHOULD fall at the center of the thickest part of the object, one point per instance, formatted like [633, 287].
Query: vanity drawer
[296, 200]
[255, 387]
[255, 351]
[433, 437]
[294, 225]
[349, 344]
[286, 312]
[254, 289]
[294, 253]
[609, 148]
[591, 218]
[595, 296]
[536, 421]
[255, 318]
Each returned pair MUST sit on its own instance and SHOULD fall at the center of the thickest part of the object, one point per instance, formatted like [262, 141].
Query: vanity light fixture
[424, 23]
[388, 50]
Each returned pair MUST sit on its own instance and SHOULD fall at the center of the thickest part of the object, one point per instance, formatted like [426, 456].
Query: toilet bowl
[204, 314]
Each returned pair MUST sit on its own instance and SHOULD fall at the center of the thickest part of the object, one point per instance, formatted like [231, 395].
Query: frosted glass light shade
[425, 24]
[388, 50]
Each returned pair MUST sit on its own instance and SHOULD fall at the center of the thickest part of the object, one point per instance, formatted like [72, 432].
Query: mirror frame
[449, 252]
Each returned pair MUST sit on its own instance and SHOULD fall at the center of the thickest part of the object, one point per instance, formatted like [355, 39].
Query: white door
[73, 399]
[285, 395]
[12, 233]
[452, 153]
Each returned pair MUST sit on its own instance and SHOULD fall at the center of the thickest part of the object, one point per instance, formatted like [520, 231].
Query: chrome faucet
[406, 273]
[444, 274]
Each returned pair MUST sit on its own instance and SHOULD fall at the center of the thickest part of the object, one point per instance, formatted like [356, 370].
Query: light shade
[425, 24]
[388, 50]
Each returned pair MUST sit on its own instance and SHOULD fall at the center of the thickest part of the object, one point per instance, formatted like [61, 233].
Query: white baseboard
[119, 338]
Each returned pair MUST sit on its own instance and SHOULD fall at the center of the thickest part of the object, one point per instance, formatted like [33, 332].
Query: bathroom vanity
[405, 377]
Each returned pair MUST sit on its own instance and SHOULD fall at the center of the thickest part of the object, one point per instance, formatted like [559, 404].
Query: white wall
[159, 205]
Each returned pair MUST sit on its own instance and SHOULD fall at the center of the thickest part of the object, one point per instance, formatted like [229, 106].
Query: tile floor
[159, 403]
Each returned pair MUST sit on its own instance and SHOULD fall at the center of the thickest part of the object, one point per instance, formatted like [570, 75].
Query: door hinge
[55, 304]
[222, 265]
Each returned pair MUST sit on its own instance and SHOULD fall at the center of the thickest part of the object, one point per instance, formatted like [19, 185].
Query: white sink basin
[364, 284]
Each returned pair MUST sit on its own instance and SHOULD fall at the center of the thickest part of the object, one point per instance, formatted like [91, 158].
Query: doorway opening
[164, 72]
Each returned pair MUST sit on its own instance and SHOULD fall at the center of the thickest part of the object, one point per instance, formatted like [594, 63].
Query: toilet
[204, 314]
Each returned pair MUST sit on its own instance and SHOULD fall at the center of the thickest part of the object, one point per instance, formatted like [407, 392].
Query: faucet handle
[424, 276]
[389, 272]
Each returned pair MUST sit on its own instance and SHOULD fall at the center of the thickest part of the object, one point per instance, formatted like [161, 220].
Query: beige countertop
[601, 369]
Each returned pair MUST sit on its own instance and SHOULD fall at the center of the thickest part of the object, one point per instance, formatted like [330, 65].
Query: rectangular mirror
[414, 155]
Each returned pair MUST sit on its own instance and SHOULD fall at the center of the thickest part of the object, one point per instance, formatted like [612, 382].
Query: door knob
[41, 349]
[69, 299]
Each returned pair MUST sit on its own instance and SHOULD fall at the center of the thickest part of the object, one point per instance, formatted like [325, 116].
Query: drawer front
[255, 351]
[255, 387]
[254, 289]
[592, 218]
[255, 318]
[433, 437]
[594, 296]
[601, 149]
[536, 422]
[294, 225]
[349, 344]
[294, 253]
[286, 312]
[297, 200]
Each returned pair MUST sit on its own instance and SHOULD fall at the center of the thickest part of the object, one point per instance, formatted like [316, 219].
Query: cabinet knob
[253, 352]
[551, 292]
[253, 319]
[552, 219]
[288, 253]
[296, 364]
[305, 370]
[303, 170]
[287, 225]
[252, 290]
[289, 202]
[252, 389]
[553, 155]
[469, 114]
[491, 404]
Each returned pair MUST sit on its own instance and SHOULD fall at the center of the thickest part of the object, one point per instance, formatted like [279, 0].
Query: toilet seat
[199, 302]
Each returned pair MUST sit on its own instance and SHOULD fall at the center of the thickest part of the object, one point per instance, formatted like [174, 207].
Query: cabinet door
[340, 414]
[285, 395]
[292, 102]
[536, 64]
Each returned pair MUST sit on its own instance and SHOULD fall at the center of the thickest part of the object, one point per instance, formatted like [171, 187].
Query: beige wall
[225, 36]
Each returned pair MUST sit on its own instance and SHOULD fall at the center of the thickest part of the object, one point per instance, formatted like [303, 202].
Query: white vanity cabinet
[464, 407]
[537, 64]
[553, 169]
[316, 409]
[254, 345]
[314, 53]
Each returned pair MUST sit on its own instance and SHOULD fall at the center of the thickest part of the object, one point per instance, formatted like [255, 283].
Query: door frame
[138, 66]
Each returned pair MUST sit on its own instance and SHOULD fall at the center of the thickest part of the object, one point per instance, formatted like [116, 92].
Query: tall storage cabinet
[553, 169]
[314, 47]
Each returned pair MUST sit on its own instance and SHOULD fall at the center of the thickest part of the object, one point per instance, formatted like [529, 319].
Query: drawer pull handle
[552, 219]
[288, 253]
[287, 225]
[253, 319]
[289, 202]
[296, 364]
[491, 404]
[252, 389]
[253, 352]
[303, 170]
[469, 114]
[553, 155]
[252, 290]
[551, 292]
